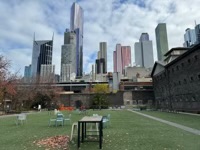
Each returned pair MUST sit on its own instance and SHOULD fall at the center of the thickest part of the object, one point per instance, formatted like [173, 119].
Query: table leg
[100, 134]
[83, 132]
[78, 134]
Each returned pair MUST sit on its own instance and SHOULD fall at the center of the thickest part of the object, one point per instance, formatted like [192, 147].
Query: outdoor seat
[59, 119]
[52, 120]
[74, 130]
[21, 119]
[106, 121]
[68, 119]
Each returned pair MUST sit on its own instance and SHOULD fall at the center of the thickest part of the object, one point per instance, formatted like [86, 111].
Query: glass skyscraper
[121, 58]
[76, 24]
[144, 52]
[41, 55]
[161, 40]
[189, 37]
[197, 31]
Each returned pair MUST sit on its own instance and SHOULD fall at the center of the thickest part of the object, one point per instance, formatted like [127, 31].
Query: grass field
[191, 121]
[128, 131]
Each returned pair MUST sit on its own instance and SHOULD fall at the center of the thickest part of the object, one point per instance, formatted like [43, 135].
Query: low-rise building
[177, 82]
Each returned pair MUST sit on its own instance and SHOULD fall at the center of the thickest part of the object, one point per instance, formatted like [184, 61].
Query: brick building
[176, 81]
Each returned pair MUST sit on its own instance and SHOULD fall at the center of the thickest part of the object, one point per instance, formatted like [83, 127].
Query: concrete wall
[114, 99]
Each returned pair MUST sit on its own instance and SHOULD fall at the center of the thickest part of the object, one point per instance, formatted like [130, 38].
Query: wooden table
[90, 119]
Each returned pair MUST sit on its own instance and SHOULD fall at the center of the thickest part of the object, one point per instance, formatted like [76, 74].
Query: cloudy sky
[112, 21]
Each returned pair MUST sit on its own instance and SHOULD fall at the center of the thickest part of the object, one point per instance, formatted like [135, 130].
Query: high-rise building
[100, 66]
[101, 62]
[27, 74]
[161, 40]
[189, 37]
[27, 71]
[41, 55]
[103, 53]
[76, 24]
[144, 53]
[66, 73]
[197, 32]
[121, 58]
[144, 37]
[68, 55]
[126, 57]
[47, 73]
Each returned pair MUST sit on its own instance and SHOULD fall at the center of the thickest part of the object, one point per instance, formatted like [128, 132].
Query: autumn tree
[37, 92]
[7, 82]
[100, 96]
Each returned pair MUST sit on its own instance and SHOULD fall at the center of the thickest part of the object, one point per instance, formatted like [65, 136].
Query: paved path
[11, 115]
[192, 114]
[188, 129]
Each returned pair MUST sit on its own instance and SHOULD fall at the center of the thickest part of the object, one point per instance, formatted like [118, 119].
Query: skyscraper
[144, 52]
[144, 37]
[197, 31]
[161, 40]
[27, 73]
[76, 24]
[100, 66]
[121, 58]
[42, 54]
[189, 37]
[47, 73]
[103, 53]
[101, 62]
[126, 57]
[68, 56]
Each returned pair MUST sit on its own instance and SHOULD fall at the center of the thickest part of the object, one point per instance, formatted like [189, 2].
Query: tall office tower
[66, 73]
[121, 58]
[161, 40]
[68, 56]
[101, 62]
[76, 24]
[42, 54]
[189, 37]
[126, 57]
[47, 73]
[27, 73]
[144, 53]
[197, 31]
[144, 37]
[100, 66]
[103, 54]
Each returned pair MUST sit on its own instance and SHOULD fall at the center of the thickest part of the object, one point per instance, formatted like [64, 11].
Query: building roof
[155, 65]
[176, 48]
[190, 50]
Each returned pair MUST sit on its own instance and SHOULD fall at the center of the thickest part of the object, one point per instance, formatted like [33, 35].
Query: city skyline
[113, 24]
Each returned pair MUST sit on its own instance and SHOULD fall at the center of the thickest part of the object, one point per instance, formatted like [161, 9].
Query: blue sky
[112, 21]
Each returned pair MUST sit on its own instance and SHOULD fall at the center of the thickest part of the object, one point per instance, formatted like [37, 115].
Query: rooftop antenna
[53, 36]
[34, 36]
[195, 22]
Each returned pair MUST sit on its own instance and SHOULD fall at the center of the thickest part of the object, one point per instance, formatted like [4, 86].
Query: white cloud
[104, 20]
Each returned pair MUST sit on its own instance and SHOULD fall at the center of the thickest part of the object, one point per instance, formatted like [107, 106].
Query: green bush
[142, 107]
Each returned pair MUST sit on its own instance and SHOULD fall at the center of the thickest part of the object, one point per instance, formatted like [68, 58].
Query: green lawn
[183, 119]
[128, 131]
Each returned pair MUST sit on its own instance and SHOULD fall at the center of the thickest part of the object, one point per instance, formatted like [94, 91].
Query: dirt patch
[56, 142]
